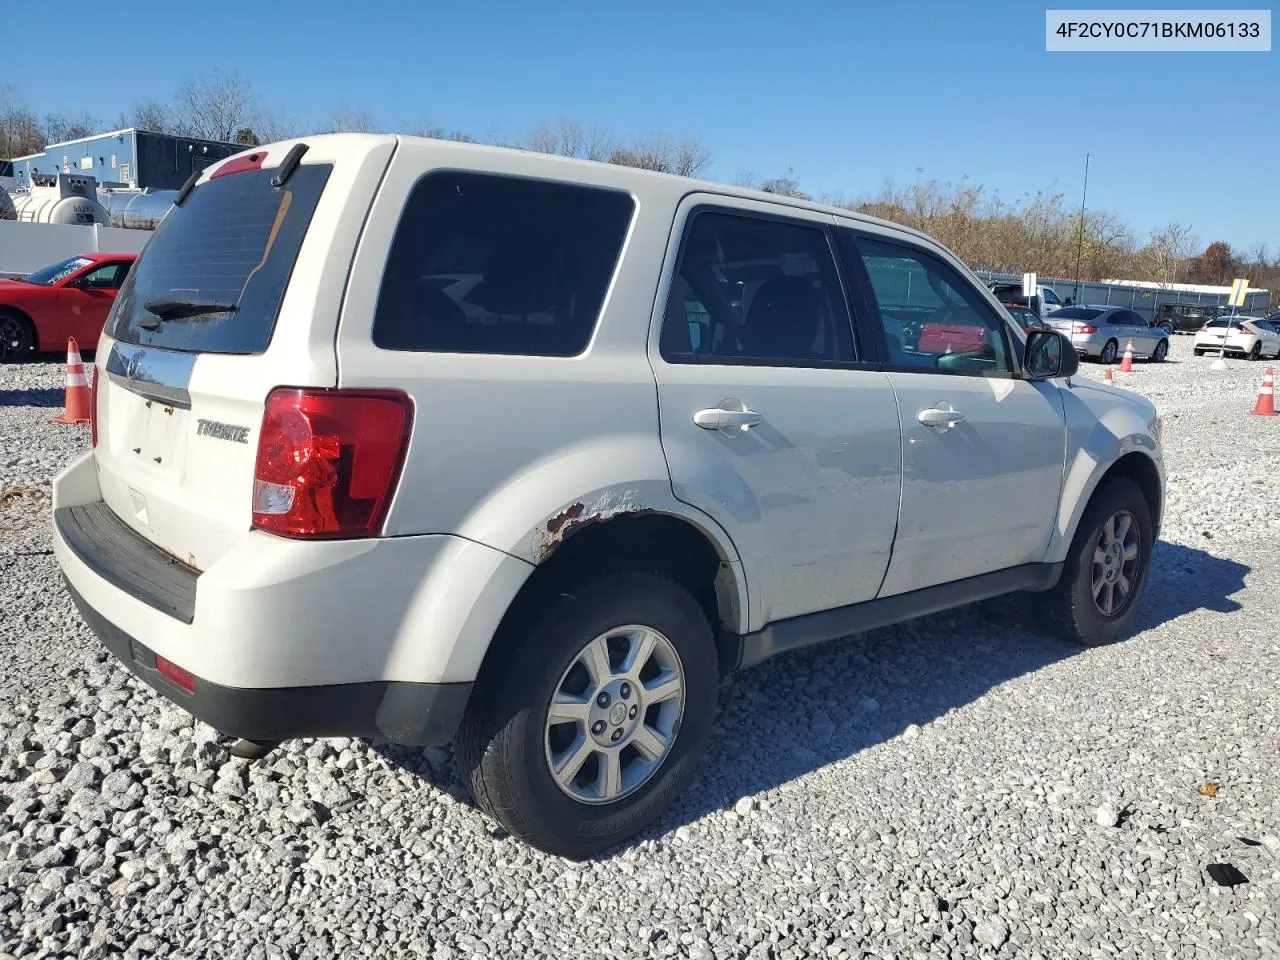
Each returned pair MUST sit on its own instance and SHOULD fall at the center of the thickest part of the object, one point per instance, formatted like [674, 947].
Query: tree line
[1041, 232]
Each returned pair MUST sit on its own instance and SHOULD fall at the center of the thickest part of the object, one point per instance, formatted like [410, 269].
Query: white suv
[423, 441]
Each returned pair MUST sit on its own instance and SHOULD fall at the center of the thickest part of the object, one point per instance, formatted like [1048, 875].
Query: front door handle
[941, 417]
[731, 417]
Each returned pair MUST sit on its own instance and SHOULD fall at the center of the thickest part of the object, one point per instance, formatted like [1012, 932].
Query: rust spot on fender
[579, 515]
[556, 525]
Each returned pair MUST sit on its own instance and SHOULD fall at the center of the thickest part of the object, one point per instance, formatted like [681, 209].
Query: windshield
[1076, 313]
[1227, 322]
[50, 275]
[213, 275]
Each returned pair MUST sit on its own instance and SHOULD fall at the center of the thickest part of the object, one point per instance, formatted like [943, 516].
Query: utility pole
[1080, 244]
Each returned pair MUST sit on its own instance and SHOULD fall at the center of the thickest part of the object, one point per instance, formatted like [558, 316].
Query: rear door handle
[731, 416]
[941, 417]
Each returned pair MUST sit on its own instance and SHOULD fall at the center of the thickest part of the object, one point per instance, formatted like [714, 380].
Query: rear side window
[500, 265]
[1076, 313]
[232, 243]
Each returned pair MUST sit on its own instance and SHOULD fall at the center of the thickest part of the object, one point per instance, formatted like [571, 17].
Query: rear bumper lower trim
[414, 714]
[126, 560]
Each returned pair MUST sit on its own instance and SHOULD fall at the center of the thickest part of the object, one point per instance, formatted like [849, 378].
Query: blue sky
[846, 93]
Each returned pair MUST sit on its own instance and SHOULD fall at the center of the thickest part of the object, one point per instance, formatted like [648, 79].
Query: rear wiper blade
[169, 309]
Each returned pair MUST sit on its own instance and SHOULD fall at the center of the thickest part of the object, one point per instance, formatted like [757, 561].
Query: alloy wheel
[614, 715]
[1116, 554]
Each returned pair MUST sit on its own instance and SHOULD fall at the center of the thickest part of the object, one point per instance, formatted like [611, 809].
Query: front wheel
[1256, 352]
[1109, 352]
[595, 721]
[1161, 351]
[1106, 569]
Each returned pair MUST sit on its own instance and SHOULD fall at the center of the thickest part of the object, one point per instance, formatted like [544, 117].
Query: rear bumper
[421, 714]
[379, 637]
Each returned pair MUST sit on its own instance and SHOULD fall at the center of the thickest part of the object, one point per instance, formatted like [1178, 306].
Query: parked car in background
[564, 444]
[70, 298]
[1026, 318]
[1045, 302]
[1185, 317]
[1102, 332]
[1252, 337]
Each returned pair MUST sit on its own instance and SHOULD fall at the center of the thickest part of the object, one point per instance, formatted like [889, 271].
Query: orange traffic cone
[1266, 405]
[1109, 377]
[77, 403]
[1126, 363]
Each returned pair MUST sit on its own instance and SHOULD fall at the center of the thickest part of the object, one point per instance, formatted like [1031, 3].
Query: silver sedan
[1104, 332]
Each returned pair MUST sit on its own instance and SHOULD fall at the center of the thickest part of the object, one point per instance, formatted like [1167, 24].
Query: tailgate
[237, 292]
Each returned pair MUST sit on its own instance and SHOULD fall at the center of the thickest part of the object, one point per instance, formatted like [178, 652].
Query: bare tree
[215, 106]
[20, 132]
[58, 129]
[658, 152]
[150, 115]
[350, 119]
[1167, 251]
[786, 186]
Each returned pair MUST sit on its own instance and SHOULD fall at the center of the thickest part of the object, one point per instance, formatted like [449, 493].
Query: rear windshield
[1076, 313]
[232, 243]
[490, 264]
[1227, 322]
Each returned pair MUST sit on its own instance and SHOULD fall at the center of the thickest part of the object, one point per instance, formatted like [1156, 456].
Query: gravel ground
[964, 786]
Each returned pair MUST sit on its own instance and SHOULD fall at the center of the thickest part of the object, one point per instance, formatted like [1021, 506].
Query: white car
[428, 441]
[1251, 337]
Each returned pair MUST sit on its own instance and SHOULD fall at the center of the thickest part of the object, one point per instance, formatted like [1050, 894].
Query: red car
[70, 298]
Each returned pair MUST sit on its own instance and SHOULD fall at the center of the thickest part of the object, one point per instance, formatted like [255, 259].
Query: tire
[1109, 352]
[17, 336]
[1072, 609]
[1160, 352]
[1199, 352]
[1256, 352]
[506, 748]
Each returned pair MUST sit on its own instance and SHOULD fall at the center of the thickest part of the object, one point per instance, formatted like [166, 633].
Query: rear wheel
[17, 337]
[1106, 569]
[1109, 352]
[1161, 351]
[596, 720]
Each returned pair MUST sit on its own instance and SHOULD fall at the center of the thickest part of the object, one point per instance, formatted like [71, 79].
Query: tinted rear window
[233, 241]
[489, 264]
[1076, 313]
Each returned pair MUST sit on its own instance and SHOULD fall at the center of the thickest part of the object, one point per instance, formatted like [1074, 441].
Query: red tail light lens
[93, 408]
[328, 461]
[1083, 328]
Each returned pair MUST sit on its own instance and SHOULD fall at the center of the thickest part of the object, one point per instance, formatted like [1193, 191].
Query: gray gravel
[964, 786]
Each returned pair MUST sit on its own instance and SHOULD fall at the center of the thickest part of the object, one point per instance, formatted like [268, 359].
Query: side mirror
[1049, 355]
[1069, 302]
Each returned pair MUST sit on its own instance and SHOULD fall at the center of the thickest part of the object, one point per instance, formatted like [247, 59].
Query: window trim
[633, 218]
[851, 235]
[671, 273]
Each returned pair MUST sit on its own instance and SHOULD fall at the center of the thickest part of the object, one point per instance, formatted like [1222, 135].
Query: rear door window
[482, 263]
[750, 289]
[232, 243]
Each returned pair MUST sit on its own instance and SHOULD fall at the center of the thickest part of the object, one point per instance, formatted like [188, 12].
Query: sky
[845, 93]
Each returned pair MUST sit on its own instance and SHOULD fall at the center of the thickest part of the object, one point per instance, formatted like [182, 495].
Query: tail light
[1083, 328]
[328, 461]
[93, 408]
